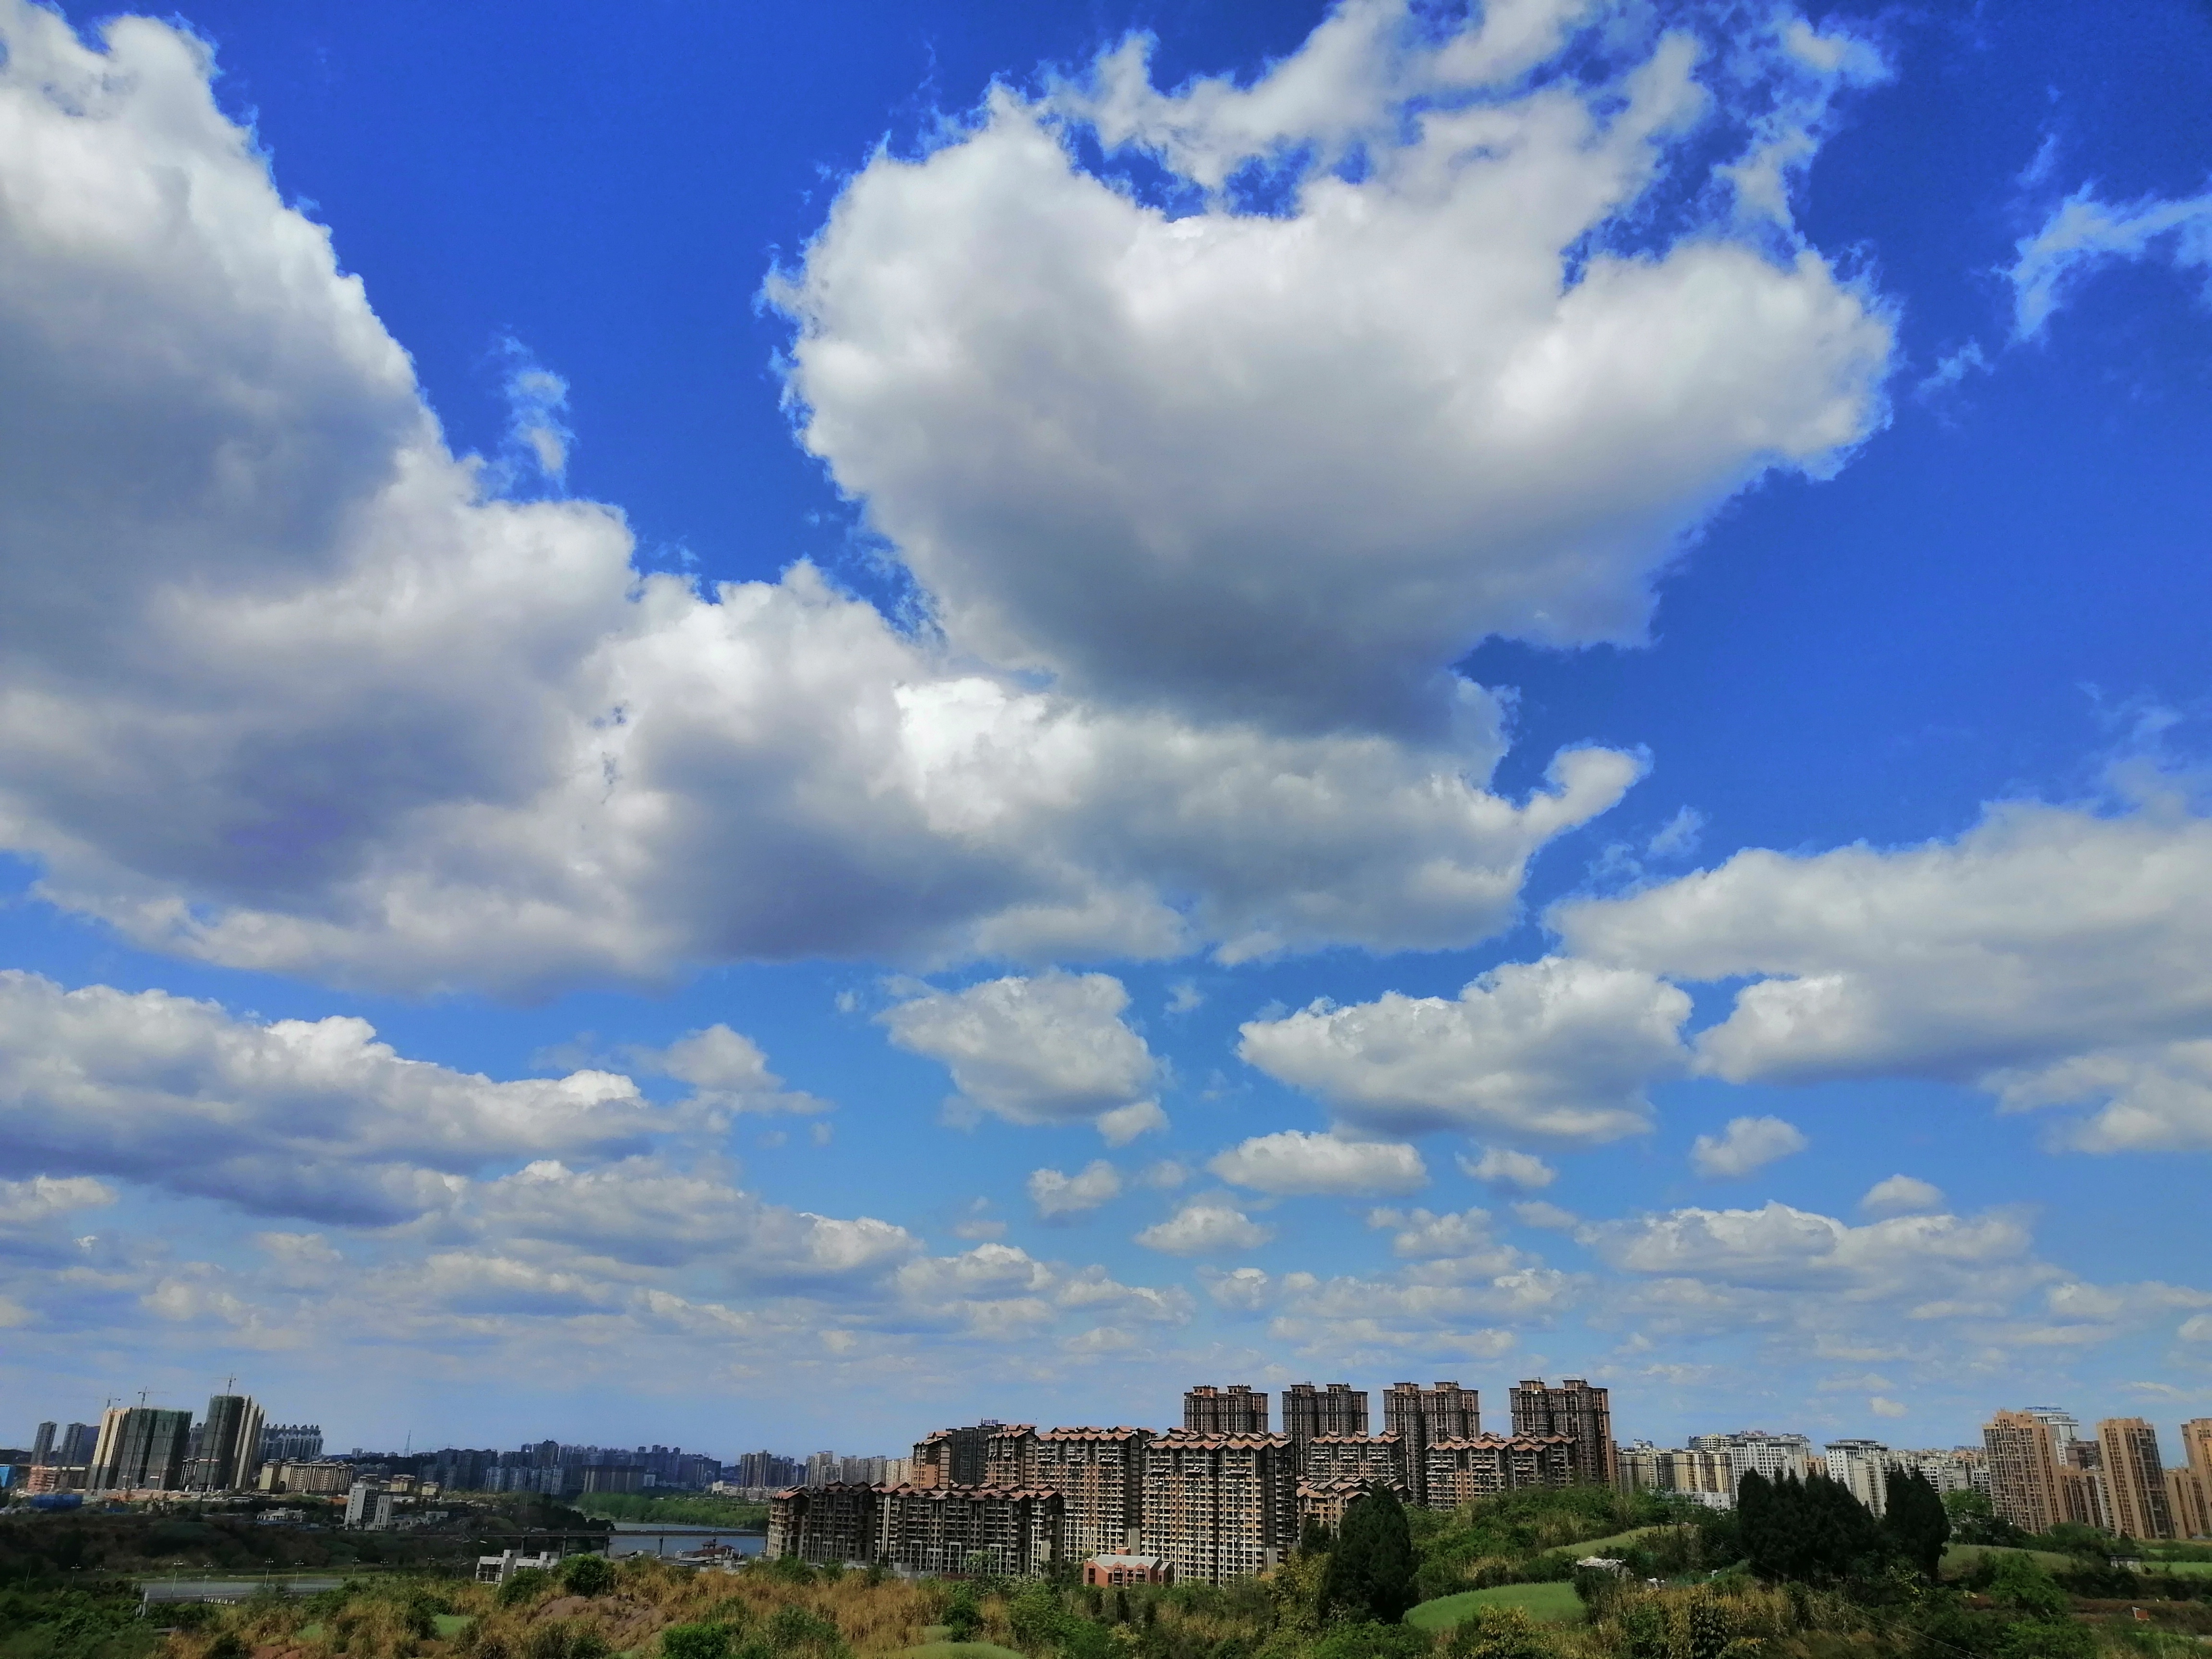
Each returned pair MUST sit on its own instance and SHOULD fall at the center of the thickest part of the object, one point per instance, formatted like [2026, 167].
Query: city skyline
[701, 710]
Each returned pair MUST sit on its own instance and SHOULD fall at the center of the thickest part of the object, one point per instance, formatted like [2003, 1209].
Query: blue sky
[1340, 695]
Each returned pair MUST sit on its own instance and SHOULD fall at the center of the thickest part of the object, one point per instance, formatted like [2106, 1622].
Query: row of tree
[1814, 1531]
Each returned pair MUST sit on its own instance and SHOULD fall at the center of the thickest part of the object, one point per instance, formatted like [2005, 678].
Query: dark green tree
[1371, 1565]
[1917, 1524]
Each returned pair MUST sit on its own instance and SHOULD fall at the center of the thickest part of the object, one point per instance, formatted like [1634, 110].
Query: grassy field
[962, 1651]
[1962, 1558]
[1555, 1604]
[2185, 1569]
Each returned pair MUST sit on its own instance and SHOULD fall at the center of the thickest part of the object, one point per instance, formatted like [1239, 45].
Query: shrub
[1494, 1633]
[695, 1641]
[525, 1584]
[588, 1575]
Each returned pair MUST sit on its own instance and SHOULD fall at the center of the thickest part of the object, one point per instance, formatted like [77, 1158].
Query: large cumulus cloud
[1291, 463]
[288, 687]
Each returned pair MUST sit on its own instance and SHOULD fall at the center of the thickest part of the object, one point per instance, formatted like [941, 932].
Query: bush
[525, 1584]
[1371, 1640]
[1496, 1632]
[695, 1641]
[963, 1618]
[588, 1575]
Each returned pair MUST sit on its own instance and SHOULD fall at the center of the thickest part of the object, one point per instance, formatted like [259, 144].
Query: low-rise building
[1116, 1571]
[498, 1569]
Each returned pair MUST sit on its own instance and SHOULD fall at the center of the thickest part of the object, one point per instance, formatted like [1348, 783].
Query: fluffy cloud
[1048, 1049]
[1901, 1194]
[1057, 1194]
[1500, 1166]
[1205, 1227]
[727, 1072]
[1747, 1144]
[43, 1197]
[2083, 234]
[2052, 955]
[1294, 1162]
[308, 1117]
[254, 711]
[1780, 1247]
[1556, 1050]
[1292, 463]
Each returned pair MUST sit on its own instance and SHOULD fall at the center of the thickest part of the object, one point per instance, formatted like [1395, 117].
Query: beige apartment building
[1309, 1413]
[1422, 1417]
[1460, 1471]
[1101, 1474]
[1219, 1506]
[1576, 1413]
[1012, 1534]
[1010, 1456]
[2024, 1466]
[1233, 1410]
[2135, 1481]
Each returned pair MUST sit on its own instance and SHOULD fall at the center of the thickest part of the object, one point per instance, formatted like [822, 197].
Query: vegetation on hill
[692, 1509]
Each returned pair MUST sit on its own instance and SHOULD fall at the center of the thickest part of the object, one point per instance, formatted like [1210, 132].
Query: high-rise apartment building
[2135, 1481]
[990, 1529]
[1363, 1458]
[2083, 1497]
[834, 1523]
[141, 1448]
[1708, 1475]
[2024, 1483]
[1576, 1411]
[1219, 1506]
[1862, 1468]
[1101, 1474]
[229, 1449]
[1010, 1456]
[2190, 1502]
[1308, 1412]
[1233, 1410]
[1421, 1417]
[42, 1444]
[952, 1457]
[1757, 1451]
[292, 1443]
[1461, 1471]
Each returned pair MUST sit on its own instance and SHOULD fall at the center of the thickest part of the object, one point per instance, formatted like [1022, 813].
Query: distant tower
[1310, 1412]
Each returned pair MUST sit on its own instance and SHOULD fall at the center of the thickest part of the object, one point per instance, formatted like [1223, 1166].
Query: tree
[1813, 1531]
[1370, 1570]
[1916, 1525]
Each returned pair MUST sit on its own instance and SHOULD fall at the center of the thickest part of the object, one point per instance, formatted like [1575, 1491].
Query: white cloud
[1558, 1050]
[728, 1072]
[1747, 1144]
[2084, 232]
[2051, 955]
[1780, 1247]
[1205, 1228]
[1048, 1049]
[1501, 1167]
[1901, 1194]
[255, 712]
[306, 1117]
[44, 1198]
[1537, 1213]
[1294, 1162]
[1881, 1407]
[1463, 1241]
[2198, 1329]
[1056, 1194]
[1338, 444]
